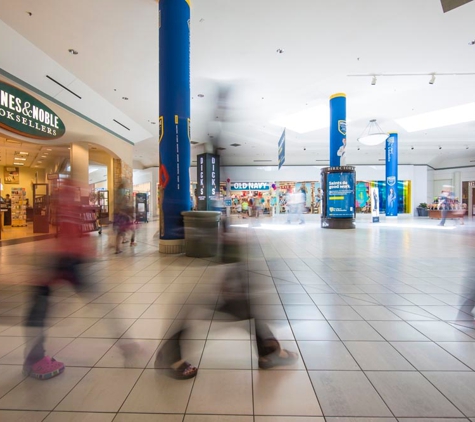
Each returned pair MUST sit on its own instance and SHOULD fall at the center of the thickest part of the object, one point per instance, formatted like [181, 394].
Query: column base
[338, 223]
[174, 246]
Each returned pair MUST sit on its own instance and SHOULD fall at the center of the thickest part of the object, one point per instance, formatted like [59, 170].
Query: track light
[440, 147]
[432, 80]
[374, 80]
[412, 147]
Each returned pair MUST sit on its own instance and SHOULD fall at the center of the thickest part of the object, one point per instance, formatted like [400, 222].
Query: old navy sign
[250, 186]
[24, 115]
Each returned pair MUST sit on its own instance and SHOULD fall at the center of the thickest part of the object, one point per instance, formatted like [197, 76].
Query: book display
[18, 198]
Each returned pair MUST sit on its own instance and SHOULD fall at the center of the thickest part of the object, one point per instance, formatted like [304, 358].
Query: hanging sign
[24, 115]
[12, 175]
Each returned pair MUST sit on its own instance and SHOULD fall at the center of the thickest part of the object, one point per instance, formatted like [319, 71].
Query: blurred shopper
[445, 202]
[123, 218]
[245, 207]
[296, 203]
[235, 301]
[72, 250]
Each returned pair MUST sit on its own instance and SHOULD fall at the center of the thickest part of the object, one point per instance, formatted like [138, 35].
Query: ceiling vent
[235, 145]
[62, 86]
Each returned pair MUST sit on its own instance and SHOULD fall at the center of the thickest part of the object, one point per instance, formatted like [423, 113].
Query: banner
[375, 205]
[208, 180]
[281, 149]
[337, 130]
[391, 175]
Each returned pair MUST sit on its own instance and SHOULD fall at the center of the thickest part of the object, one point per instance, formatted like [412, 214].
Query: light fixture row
[374, 79]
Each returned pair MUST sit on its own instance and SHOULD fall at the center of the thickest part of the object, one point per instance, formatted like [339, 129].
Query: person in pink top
[70, 251]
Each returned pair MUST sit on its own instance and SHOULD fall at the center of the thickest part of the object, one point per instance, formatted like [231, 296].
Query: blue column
[174, 110]
[337, 130]
[391, 175]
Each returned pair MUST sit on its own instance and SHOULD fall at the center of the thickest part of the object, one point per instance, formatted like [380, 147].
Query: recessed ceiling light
[44, 156]
[439, 118]
[49, 149]
[39, 162]
[20, 159]
[18, 164]
[73, 52]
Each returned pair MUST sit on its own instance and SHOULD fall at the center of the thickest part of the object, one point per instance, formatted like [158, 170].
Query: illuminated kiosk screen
[341, 195]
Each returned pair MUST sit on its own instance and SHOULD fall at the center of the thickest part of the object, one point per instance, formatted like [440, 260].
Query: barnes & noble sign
[24, 115]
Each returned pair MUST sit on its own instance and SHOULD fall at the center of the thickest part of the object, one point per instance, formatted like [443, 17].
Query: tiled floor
[380, 317]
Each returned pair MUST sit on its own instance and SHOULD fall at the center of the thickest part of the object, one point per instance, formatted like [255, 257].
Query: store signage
[341, 195]
[250, 186]
[208, 180]
[24, 115]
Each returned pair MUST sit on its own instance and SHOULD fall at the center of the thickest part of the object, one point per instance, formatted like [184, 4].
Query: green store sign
[24, 115]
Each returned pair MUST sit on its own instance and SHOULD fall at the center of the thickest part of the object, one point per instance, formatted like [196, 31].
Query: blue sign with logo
[337, 130]
[341, 195]
[391, 175]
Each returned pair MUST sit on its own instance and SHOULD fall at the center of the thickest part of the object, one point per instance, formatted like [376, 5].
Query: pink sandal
[45, 369]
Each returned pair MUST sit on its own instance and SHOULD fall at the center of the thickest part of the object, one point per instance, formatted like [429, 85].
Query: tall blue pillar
[174, 110]
[391, 175]
[337, 130]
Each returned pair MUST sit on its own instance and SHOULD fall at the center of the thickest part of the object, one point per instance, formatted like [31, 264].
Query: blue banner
[341, 195]
[281, 149]
[391, 175]
[174, 119]
[337, 130]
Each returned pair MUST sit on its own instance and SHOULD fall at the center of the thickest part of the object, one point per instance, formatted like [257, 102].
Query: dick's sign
[24, 115]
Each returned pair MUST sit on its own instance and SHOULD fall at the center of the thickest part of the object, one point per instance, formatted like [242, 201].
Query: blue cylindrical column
[174, 109]
[337, 129]
[391, 175]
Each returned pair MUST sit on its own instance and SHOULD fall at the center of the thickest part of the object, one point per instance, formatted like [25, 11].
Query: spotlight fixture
[440, 147]
[358, 148]
[471, 42]
[125, 98]
[466, 147]
[73, 52]
[412, 147]
[374, 80]
[279, 50]
[373, 134]
[432, 79]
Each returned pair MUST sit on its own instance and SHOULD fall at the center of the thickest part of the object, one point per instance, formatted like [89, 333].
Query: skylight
[307, 120]
[439, 118]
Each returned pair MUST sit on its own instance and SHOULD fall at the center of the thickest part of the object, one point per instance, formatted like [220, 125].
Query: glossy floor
[380, 317]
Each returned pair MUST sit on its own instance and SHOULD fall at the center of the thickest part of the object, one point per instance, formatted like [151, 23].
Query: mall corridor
[380, 317]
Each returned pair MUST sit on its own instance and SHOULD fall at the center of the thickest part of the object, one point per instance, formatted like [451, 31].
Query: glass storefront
[363, 199]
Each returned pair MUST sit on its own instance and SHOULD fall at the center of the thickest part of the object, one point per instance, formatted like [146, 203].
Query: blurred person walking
[235, 302]
[71, 250]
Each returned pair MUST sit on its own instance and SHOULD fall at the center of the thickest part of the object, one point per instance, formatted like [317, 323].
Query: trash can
[201, 233]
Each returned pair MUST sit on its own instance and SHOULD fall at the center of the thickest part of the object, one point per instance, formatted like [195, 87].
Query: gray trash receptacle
[201, 233]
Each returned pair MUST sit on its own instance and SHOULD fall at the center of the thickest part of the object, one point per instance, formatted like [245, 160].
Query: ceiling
[327, 47]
